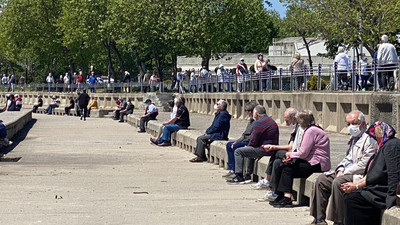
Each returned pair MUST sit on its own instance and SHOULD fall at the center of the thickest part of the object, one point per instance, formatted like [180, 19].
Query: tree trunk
[138, 62]
[111, 71]
[160, 64]
[205, 61]
[113, 45]
[72, 66]
[307, 44]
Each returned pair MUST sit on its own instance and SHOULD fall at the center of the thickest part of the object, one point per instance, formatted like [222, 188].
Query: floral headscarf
[381, 130]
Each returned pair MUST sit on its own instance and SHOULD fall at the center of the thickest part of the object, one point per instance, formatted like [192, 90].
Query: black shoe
[141, 131]
[276, 201]
[284, 203]
[238, 179]
[197, 159]
[81, 117]
[153, 141]
[247, 179]
[165, 144]
[121, 121]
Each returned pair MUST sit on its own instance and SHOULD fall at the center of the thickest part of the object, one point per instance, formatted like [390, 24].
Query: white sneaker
[268, 197]
[262, 184]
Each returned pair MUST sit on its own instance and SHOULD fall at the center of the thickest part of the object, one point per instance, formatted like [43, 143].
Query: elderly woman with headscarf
[375, 192]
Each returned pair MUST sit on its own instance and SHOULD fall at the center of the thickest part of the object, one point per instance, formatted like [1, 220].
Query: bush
[312, 83]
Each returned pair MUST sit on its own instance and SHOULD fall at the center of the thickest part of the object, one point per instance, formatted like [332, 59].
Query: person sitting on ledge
[121, 105]
[218, 130]
[312, 156]
[265, 131]
[55, 104]
[3, 135]
[241, 142]
[40, 104]
[360, 148]
[180, 121]
[367, 198]
[150, 113]
[92, 105]
[70, 106]
[128, 110]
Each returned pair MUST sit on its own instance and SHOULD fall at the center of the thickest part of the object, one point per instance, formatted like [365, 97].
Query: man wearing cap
[150, 113]
[241, 73]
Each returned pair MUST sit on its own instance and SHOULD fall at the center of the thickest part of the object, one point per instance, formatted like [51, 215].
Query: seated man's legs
[320, 196]
[336, 204]
[116, 114]
[121, 116]
[142, 124]
[246, 152]
[360, 211]
[230, 149]
[167, 131]
[202, 143]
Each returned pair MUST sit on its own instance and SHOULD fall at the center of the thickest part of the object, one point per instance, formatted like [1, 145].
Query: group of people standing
[357, 190]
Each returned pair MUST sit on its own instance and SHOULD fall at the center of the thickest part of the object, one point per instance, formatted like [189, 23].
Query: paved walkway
[102, 172]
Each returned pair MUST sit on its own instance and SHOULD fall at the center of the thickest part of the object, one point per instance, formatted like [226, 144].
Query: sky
[277, 6]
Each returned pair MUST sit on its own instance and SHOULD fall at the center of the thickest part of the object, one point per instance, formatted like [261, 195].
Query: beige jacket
[361, 151]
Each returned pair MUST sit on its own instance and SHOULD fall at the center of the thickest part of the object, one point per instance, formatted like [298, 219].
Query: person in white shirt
[50, 81]
[362, 70]
[193, 81]
[343, 66]
[387, 60]
[221, 75]
[151, 112]
[66, 82]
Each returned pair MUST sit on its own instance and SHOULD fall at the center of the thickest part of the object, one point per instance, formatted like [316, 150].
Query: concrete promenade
[102, 172]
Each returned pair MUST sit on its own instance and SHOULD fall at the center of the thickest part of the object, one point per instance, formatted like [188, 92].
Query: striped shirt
[265, 131]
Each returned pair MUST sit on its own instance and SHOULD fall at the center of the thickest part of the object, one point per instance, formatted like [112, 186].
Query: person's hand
[348, 187]
[339, 174]
[288, 155]
[165, 123]
[268, 148]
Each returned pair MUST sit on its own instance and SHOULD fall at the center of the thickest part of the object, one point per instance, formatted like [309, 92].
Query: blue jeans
[231, 150]
[167, 131]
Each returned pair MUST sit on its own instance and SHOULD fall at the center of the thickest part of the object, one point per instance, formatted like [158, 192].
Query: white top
[152, 108]
[66, 80]
[343, 61]
[173, 113]
[221, 74]
[363, 67]
[387, 54]
[49, 79]
[298, 138]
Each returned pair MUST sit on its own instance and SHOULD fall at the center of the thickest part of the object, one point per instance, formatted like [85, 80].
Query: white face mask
[293, 125]
[260, 58]
[354, 130]
[215, 107]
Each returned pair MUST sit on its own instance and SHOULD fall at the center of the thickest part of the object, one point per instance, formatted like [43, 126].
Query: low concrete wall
[329, 108]
[15, 121]
[186, 139]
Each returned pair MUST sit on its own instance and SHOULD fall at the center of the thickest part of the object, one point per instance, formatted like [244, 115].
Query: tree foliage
[118, 35]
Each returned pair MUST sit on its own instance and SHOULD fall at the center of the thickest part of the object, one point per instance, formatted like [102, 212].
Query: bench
[303, 188]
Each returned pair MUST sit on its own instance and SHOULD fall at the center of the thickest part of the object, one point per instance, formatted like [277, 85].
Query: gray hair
[385, 38]
[260, 110]
[361, 116]
[305, 118]
[292, 112]
[249, 106]
[177, 100]
[224, 104]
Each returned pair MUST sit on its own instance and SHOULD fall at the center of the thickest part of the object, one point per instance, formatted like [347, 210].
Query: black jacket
[383, 176]
[83, 100]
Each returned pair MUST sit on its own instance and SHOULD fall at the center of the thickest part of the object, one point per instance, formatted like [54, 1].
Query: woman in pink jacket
[312, 156]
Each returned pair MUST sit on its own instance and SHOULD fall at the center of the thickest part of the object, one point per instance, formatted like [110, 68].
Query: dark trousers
[364, 79]
[116, 114]
[387, 76]
[67, 109]
[275, 161]
[250, 154]
[84, 111]
[122, 114]
[287, 172]
[358, 211]
[231, 150]
[35, 107]
[143, 122]
[203, 142]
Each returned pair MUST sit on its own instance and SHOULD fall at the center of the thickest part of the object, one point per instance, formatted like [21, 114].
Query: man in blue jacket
[218, 130]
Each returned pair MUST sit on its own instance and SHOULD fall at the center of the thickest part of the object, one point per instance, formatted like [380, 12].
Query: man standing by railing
[79, 81]
[50, 81]
[241, 72]
[387, 60]
[343, 66]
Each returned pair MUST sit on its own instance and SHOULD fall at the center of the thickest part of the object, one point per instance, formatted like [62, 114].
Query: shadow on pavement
[19, 137]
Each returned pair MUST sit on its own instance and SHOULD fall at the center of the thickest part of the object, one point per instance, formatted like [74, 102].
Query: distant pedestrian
[343, 66]
[50, 81]
[297, 66]
[387, 60]
[241, 72]
[83, 100]
[126, 82]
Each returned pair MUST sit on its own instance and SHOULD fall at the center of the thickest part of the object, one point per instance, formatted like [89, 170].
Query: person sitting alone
[55, 104]
[128, 110]
[180, 121]
[92, 105]
[10, 106]
[40, 104]
[150, 113]
[70, 106]
[18, 102]
[3, 135]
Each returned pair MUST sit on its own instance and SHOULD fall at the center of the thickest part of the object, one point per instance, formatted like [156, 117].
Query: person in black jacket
[128, 110]
[218, 130]
[40, 104]
[375, 192]
[70, 106]
[83, 100]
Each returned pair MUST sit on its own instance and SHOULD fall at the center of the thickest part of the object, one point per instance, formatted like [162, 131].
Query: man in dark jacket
[128, 110]
[242, 141]
[83, 100]
[218, 130]
[70, 106]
